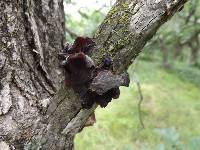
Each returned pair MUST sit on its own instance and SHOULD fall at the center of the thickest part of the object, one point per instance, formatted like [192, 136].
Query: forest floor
[170, 112]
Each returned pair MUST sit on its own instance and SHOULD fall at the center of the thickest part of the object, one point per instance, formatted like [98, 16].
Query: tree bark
[31, 34]
[34, 112]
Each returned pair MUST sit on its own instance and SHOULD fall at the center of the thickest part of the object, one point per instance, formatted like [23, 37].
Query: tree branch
[71, 33]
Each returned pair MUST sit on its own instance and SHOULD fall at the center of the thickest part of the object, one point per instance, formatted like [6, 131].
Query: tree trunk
[165, 58]
[177, 50]
[194, 48]
[193, 44]
[34, 112]
[193, 55]
[31, 34]
[165, 53]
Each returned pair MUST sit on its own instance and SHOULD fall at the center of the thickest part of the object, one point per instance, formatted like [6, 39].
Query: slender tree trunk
[178, 50]
[193, 52]
[165, 53]
[165, 57]
[36, 111]
[193, 55]
[193, 44]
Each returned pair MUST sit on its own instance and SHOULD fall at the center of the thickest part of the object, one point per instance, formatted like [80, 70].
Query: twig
[140, 100]
[83, 14]
[139, 105]
[71, 33]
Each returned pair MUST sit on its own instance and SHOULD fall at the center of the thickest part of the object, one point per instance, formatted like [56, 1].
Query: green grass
[169, 101]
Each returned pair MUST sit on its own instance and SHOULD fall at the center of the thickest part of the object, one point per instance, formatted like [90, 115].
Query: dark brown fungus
[94, 84]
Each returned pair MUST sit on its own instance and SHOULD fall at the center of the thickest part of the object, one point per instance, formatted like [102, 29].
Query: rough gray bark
[32, 116]
[31, 34]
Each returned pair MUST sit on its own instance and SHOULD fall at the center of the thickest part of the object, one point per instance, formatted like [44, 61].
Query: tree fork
[38, 120]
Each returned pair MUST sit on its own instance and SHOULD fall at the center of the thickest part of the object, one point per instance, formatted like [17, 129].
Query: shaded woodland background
[168, 71]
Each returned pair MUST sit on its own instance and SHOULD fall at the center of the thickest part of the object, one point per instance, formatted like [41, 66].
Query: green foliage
[170, 138]
[170, 141]
[84, 26]
[177, 32]
[187, 73]
[85, 21]
[194, 143]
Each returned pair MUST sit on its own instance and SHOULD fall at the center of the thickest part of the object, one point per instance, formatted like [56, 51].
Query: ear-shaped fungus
[94, 84]
[81, 44]
[105, 87]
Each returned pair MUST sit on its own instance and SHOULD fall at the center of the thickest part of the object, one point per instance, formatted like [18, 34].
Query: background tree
[32, 115]
[180, 35]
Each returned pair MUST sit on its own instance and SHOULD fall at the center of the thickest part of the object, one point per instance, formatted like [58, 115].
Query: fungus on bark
[94, 84]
